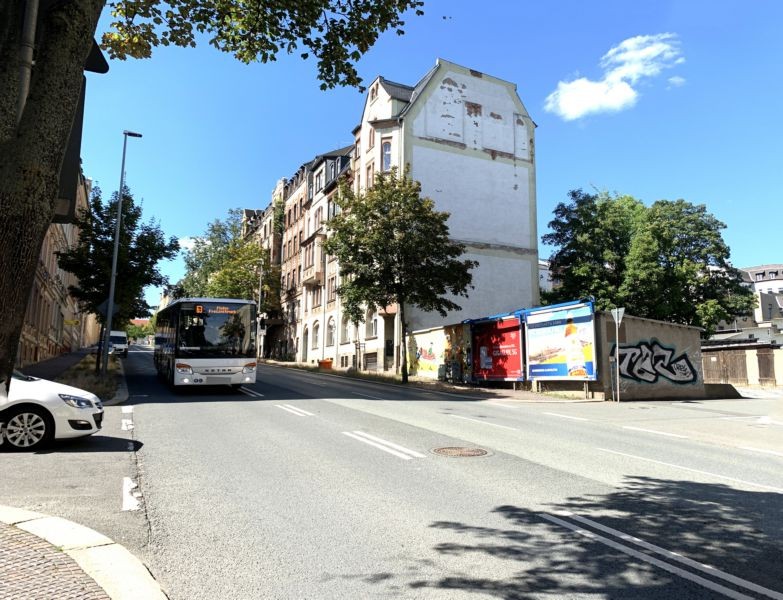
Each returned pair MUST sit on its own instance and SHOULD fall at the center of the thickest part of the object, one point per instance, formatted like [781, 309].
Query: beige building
[468, 139]
[53, 323]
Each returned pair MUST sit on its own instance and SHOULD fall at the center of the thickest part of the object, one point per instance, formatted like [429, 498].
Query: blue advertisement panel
[560, 342]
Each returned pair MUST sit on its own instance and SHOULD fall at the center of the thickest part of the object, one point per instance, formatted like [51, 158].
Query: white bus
[206, 341]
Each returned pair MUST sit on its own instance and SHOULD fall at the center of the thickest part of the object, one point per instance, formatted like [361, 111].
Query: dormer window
[759, 276]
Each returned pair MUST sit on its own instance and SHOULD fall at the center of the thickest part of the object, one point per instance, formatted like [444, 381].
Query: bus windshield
[216, 330]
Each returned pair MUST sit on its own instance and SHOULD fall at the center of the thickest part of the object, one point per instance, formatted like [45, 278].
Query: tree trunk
[31, 154]
[404, 343]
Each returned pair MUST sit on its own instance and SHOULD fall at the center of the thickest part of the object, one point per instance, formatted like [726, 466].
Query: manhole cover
[457, 452]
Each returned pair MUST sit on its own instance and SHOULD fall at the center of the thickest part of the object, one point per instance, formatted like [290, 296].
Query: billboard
[497, 350]
[561, 342]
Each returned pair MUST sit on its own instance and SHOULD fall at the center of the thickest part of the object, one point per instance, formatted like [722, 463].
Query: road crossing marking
[385, 445]
[249, 392]
[742, 481]
[297, 411]
[484, 422]
[716, 587]
[760, 450]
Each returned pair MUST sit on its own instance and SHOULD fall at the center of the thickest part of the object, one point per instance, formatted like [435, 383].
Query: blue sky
[659, 100]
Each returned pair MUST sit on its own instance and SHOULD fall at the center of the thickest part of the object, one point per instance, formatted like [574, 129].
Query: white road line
[130, 499]
[127, 409]
[380, 446]
[715, 587]
[666, 433]
[760, 450]
[249, 392]
[678, 557]
[390, 444]
[484, 422]
[566, 416]
[300, 410]
[295, 411]
[127, 424]
[367, 396]
[742, 481]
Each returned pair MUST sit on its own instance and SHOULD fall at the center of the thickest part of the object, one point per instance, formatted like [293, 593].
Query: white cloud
[676, 81]
[625, 65]
[187, 243]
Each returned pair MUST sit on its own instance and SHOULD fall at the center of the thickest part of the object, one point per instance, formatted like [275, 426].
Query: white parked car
[37, 411]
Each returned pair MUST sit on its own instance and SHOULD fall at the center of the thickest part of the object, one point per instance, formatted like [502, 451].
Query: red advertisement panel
[497, 350]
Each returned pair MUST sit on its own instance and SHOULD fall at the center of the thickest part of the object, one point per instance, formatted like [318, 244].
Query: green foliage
[210, 253]
[394, 247]
[142, 246]
[666, 262]
[336, 32]
[136, 332]
[240, 273]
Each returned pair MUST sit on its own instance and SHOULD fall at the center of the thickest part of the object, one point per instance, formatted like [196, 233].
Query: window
[316, 329]
[330, 333]
[319, 181]
[331, 288]
[371, 138]
[345, 332]
[370, 175]
[386, 155]
[371, 324]
[759, 276]
[373, 92]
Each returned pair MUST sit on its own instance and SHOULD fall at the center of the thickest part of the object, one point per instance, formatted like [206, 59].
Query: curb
[121, 395]
[118, 572]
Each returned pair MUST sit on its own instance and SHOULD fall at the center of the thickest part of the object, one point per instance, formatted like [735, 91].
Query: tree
[666, 262]
[240, 274]
[678, 269]
[336, 32]
[142, 246]
[210, 253]
[592, 235]
[393, 247]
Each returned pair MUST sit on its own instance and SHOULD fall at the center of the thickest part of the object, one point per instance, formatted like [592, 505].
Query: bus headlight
[249, 368]
[183, 368]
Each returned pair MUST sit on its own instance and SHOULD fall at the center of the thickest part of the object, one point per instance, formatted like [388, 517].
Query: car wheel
[28, 427]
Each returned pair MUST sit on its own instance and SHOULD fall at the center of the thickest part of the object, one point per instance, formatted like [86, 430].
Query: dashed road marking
[484, 422]
[130, 498]
[297, 411]
[655, 432]
[385, 445]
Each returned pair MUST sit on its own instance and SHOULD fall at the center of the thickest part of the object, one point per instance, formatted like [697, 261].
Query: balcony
[314, 274]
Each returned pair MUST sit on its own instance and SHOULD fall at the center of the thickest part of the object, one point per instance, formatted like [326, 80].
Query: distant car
[38, 411]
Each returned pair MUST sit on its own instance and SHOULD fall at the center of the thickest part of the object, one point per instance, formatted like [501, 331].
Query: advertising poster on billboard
[497, 350]
[561, 343]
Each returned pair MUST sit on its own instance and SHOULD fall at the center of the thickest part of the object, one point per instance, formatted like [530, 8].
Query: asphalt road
[316, 486]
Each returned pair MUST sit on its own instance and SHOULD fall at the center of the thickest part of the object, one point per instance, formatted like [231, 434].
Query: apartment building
[53, 322]
[467, 137]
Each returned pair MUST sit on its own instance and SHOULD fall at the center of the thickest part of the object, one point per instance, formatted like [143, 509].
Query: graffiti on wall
[646, 362]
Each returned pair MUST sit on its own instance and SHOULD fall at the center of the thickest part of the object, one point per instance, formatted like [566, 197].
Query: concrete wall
[657, 360]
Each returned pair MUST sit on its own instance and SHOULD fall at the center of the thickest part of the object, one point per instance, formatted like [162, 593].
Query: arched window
[316, 329]
[330, 332]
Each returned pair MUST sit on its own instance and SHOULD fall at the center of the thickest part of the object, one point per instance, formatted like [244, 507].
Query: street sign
[102, 308]
[617, 314]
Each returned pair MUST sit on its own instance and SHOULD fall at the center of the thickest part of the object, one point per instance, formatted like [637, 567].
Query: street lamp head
[131, 133]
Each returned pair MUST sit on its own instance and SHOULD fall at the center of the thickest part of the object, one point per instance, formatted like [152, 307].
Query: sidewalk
[43, 557]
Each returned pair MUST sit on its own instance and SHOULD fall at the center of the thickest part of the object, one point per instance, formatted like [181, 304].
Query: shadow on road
[738, 532]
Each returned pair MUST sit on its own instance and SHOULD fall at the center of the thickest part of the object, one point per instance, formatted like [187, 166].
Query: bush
[82, 375]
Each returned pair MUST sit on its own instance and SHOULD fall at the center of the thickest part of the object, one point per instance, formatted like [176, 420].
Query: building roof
[398, 91]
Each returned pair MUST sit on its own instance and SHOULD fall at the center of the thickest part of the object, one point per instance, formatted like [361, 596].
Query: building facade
[53, 323]
[468, 139]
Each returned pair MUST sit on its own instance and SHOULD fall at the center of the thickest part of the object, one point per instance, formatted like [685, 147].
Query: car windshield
[117, 339]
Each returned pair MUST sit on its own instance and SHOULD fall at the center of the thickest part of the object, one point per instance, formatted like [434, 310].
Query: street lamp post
[110, 304]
